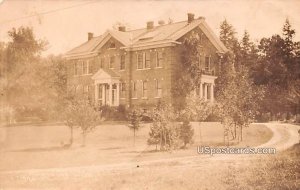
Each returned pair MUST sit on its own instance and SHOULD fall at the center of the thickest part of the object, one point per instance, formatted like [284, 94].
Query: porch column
[103, 93]
[110, 94]
[201, 90]
[96, 94]
[205, 91]
[211, 92]
[118, 94]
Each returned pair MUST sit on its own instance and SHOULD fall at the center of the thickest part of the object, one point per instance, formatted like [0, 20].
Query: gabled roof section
[168, 33]
[105, 74]
[86, 47]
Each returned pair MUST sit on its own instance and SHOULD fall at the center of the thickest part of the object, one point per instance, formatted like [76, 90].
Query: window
[207, 63]
[201, 38]
[85, 67]
[134, 89]
[160, 59]
[111, 62]
[90, 66]
[112, 45]
[140, 57]
[76, 68]
[122, 62]
[199, 60]
[99, 91]
[79, 67]
[86, 89]
[77, 89]
[123, 90]
[158, 89]
[102, 62]
[147, 60]
[144, 89]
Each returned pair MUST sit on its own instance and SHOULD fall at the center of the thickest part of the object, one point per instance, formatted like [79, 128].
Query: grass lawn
[31, 147]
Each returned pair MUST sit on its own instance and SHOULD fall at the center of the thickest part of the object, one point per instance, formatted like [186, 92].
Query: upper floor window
[144, 89]
[158, 89]
[147, 60]
[79, 67]
[123, 90]
[122, 62]
[140, 61]
[207, 63]
[160, 59]
[90, 66]
[111, 62]
[102, 62]
[76, 68]
[199, 60]
[85, 67]
[201, 38]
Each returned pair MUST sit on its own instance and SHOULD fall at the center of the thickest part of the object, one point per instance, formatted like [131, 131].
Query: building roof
[167, 33]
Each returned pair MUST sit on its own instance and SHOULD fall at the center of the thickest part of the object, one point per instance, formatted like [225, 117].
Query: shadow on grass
[111, 148]
[44, 149]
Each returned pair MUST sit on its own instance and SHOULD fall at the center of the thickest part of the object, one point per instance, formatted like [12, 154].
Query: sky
[65, 24]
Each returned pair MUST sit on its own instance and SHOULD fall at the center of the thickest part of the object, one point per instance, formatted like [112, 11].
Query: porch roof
[106, 76]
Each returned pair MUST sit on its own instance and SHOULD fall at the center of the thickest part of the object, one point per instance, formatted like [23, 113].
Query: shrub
[186, 133]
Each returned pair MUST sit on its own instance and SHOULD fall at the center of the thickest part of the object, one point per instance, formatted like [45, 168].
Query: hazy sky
[66, 23]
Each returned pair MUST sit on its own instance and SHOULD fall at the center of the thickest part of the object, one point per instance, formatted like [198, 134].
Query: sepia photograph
[149, 95]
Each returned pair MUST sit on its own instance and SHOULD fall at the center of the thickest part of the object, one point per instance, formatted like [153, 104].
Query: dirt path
[284, 136]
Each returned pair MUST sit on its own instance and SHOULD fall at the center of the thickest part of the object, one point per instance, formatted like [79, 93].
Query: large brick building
[137, 67]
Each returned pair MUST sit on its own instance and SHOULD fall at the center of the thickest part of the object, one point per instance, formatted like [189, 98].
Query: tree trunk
[83, 139]
[165, 134]
[200, 132]
[71, 135]
[241, 133]
[224, 135]
[161, 145]
[134, 137]
[234, 130]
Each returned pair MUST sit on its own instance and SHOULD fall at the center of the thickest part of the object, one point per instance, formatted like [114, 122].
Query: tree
[278, 71]
[188, 73]
[197, 109]
[186, 132]
[164, 131]
[81, 113]
[248, 52]
[135, 117]
[229, 39]
[237, 99]
[31, 85]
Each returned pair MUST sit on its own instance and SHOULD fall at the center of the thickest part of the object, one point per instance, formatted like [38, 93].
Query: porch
[107, 87]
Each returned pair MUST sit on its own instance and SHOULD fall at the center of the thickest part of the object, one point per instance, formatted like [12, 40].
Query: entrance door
[100, 94]
[114, 94]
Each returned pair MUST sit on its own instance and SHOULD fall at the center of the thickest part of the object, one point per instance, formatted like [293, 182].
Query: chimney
[90, 36]
[122, 28]
[190, 17]
[150, 25]
[161, 22]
